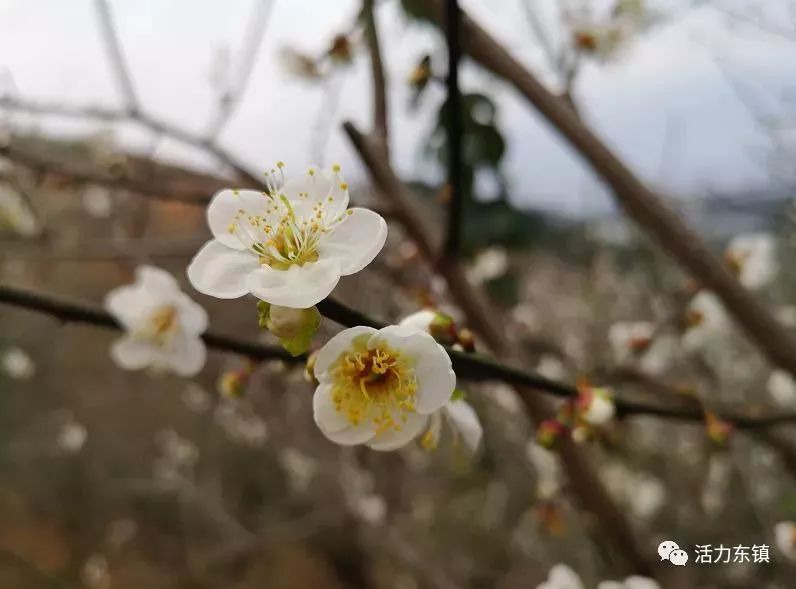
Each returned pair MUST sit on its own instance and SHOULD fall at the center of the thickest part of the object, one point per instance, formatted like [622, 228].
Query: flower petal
[186, 356]
[193, 318]
[298, 287]
[464, 418]
[356, 241]
[352, 435]
[336, 346]
[326, 416]
[639, 582]
[394, 439]
[221, 272]
[129, 304]
[435, 377]
[131, 354]
[226, 205]
[156, 280]
[564, 577]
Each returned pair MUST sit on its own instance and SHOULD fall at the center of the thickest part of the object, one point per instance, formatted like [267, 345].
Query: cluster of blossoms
[582, 417]
[289, 245]
[562, 576]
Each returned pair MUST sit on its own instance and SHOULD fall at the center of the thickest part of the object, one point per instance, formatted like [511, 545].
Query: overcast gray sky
[665, 89]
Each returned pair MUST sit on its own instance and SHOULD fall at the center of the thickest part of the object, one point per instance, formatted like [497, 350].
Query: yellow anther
[336, 168]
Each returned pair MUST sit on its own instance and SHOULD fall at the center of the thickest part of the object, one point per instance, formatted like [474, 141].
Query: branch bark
[639, 202]
[380, 111]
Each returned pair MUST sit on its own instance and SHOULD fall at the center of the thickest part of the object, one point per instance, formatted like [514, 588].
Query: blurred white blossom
[633, 582]
[596, 405]
[17, 364]
[551, 367]
[463, 422]
[782, 388]
[95, 574]
[97, 201]
[630, 339]
[378, 387]
[549, 478]
[490, 263]
[300, 468]
[706, 320]
[562, 576]
[196, 398]
[163, 325]
[752, 257]
[288, 246]
[15, 213]
[71, 436]
[241, 424]
[177, 458]
[785, 538]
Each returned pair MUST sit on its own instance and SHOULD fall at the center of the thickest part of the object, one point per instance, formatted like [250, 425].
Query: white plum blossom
[289, 245]
[562, 576]
[707, 320]
[782, 388]
[16, 214]
[17, 364]
[163, 325]
[633, 582]
[630, 339]
[462, 420]
[785, 538]
[596, 405]
[379, 387]
[752, 257]
[491, 263]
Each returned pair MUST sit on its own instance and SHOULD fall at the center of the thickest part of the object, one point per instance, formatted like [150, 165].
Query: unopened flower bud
[295, 328]
[717, 429]
[466, 340]
[595, 405]
[549, 432]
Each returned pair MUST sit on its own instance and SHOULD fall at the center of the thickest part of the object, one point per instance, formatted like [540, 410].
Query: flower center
[377, 385]
[160, 326]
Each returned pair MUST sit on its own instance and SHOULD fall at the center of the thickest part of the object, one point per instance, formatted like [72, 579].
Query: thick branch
[453, 127]
[639, 202]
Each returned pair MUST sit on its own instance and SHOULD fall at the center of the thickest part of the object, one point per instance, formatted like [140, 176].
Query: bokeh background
[113, 479]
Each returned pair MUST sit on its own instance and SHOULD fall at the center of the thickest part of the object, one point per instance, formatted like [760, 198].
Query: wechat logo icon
[670, 551]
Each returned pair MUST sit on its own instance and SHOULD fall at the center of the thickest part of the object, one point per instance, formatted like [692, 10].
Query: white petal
[336, 346]
[327, 418]
[129, 305]
[307, 190]
[392, 439]
[356, 241]
[421, 319]
[563, 577]
[610, 585]
[298, 287]
[223, 208]
[193, 318]
[352, 435]
[435, 377]
[221, 272]
[186, 356]
[131, 354]
[464, 418]
[639, 582]
[156, 280]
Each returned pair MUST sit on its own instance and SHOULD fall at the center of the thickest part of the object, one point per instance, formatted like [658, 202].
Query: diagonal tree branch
[120, 69]
[380, 111]
[639, 202]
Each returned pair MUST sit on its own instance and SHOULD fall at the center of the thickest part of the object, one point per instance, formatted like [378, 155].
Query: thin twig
[251, 46]
[472, 367]
[380, 110]
[453, 127]
[120, 69]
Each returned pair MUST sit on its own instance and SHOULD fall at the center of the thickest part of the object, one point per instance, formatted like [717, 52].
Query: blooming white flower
[629, 339]
[785, 538]
[378, 387]
[288, 246]
[17, 364]
[461, 418]
[97, 201]
[72, 436]
[15, 213]
[562, 576]
[707, 320]
[752, 257]
[163, 324]
[596, 405]
[782, 388]
[633, 582]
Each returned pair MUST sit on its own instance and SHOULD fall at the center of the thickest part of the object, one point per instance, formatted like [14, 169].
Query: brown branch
[380, 111]
[114, 49]
[640, 203]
